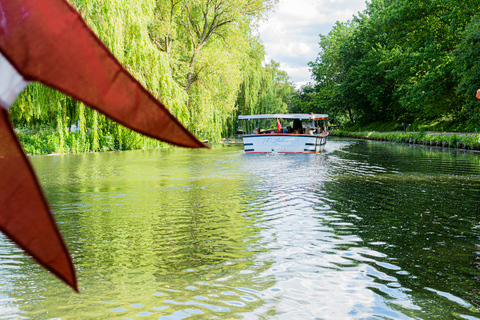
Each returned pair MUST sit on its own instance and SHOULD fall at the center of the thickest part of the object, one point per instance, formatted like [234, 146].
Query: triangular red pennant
[24, 214]
[48, 41]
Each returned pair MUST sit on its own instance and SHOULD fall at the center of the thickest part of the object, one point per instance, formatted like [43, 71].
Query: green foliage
[47, 140]
[467, 141]
[381, 126]
[402, 61]
[468, 71]
[214, 57]
[199, 57]
[264, 90]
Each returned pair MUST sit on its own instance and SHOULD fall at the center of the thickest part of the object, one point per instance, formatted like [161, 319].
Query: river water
[364, 230]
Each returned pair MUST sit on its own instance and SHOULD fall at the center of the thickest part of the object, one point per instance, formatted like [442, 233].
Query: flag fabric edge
[70, 282]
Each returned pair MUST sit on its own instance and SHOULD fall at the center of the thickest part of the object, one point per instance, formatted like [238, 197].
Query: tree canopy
[201, 58]
[401, 60]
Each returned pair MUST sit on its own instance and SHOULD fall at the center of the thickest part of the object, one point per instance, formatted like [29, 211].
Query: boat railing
[274, 132]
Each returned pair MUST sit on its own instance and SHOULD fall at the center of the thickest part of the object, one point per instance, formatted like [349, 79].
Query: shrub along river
[364, 230]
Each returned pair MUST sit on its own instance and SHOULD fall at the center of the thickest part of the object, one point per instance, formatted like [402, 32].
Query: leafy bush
[47, 140]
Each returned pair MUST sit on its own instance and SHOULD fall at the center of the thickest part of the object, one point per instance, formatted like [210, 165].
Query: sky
[291, 32]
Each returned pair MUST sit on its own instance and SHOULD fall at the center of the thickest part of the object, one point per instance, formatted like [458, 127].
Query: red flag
[24, 214]
[48, 41]
[279, 126]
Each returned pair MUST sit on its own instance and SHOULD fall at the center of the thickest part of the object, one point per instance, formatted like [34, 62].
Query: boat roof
[310, 116]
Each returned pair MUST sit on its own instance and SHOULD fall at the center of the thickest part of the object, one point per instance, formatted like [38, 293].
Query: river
[364, 230]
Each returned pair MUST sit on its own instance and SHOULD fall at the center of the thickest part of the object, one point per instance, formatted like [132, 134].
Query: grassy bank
[469, 141]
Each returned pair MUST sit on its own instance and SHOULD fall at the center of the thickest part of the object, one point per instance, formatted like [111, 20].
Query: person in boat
[256, 131]
[297, 126]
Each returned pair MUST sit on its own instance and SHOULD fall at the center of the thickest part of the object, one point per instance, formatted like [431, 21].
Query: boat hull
[284, 143]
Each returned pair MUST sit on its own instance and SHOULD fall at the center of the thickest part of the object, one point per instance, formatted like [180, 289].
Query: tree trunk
[190, 78]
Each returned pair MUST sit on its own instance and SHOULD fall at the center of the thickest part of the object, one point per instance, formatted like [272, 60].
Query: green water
[364, 230]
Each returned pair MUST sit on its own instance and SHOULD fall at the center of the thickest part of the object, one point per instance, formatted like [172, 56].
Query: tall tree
[397, 61]
[195, 56]
[329, 71]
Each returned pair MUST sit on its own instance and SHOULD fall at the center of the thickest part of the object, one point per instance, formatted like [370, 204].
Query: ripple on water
[220, 234]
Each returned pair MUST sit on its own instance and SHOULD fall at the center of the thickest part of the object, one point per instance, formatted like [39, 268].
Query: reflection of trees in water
[207, 228]
[412, 201]
[176, 215]
[144, 222]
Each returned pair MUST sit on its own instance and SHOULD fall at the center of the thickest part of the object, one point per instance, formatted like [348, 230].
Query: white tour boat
[291, 133]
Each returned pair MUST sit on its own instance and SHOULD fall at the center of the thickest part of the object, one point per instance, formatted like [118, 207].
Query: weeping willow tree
[263, 90]
[122, 26]
[212, 51]
[198, 57]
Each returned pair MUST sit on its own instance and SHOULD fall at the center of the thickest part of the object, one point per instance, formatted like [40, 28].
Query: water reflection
[421, 209]
[318, 263]
[363, 230]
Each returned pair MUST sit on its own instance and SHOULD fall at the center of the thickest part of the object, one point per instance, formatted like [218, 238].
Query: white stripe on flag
[11, 83]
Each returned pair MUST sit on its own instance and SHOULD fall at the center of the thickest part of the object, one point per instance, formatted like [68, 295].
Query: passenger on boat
[297, 126]
[257, 131]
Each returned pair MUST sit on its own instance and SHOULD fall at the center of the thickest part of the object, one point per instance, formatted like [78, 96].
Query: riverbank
[456, 140]
[49, 141]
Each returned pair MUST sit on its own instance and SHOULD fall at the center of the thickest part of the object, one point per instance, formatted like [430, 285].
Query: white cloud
[295, 72]
[291, 33]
